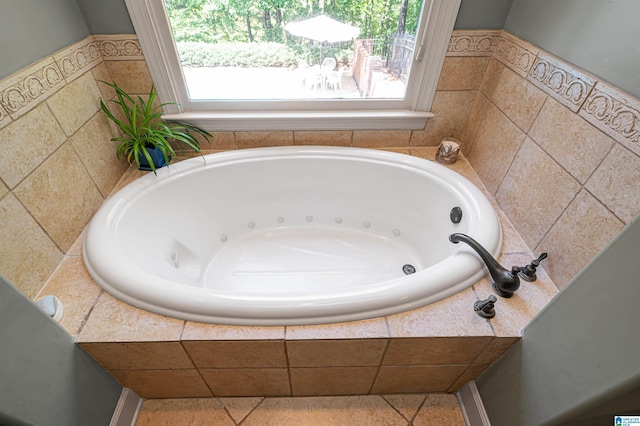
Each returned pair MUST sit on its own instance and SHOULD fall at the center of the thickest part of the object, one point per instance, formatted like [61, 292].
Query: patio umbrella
[323, 29]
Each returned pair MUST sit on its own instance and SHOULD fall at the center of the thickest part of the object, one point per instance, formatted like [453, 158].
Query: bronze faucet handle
[528, 273]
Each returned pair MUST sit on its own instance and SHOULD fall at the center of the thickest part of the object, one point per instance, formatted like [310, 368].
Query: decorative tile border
[472, 43]
[4, 117]
[78, 58]
[561, 81]
[615, 113]
[515, 53]
[124, 47]
[25, 90]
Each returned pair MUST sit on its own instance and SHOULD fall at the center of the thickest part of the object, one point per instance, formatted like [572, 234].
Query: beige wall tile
[462, 73]
[218, 140]
[248, 381]
[535, 192]
[163, 383]
[494, 148]
[472, 373]
[131, 76]
[114, 321]
[475, 120]
[3, 189]
[416, 378]
[518, 99]
[139, 355]
[76, 290]
[200, 331]
[261, 139]
[435, 350]
[365, 329]
[101, 73]
[27, 142]
[616, 183]
[335, 353]
[185, 411]
[455, 318]
[236, 354]
[491, 78]
[582, 231]
[512, 242]
[27, 254]
[61, 196]
[441, 410]
[571, 141]
[495, 349]
[76, 103]
[313, 411]
[98, 153]
[325, 137]
[452, 109]
[381, 138]
[332, 380]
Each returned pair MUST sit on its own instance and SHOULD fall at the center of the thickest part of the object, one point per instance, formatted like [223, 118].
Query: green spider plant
[143, 127]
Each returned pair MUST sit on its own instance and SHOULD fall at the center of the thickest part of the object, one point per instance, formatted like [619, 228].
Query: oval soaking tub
[290, 236]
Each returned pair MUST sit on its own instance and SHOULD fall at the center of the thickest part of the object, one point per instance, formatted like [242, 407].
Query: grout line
[379, 367]
[251, 411]
[86, 317]
[286, 355]
[399, 412]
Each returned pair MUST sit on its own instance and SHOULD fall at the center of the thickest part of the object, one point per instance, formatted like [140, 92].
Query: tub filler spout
[505, 282]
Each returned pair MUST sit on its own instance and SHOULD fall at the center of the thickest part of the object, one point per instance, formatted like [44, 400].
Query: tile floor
[375, 410]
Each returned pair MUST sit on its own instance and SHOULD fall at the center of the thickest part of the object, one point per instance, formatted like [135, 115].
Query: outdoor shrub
[198, 54]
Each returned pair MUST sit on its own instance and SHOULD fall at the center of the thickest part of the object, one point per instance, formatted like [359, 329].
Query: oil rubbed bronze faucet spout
[505, 282]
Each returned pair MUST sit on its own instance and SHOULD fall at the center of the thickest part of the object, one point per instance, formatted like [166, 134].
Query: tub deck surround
[290, 236]
[436, 348]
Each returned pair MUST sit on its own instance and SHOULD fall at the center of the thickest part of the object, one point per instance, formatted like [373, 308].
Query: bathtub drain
[408, 269]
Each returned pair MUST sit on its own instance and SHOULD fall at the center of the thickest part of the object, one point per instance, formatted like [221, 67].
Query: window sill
[305, 120]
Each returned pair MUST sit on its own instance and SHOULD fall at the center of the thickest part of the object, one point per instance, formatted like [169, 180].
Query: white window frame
[156, 40]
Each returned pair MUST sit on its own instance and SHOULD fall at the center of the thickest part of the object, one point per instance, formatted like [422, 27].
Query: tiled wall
[557, 147]
[57, 164]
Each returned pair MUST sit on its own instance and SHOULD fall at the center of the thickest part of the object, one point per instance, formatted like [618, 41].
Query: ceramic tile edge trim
[614, 113]
[516, 54]
[472, 43]
[80, 57]
[606, 107]
[122, 47]
[27, 88]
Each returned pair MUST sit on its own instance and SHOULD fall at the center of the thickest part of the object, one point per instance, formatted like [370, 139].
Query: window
[409, 110]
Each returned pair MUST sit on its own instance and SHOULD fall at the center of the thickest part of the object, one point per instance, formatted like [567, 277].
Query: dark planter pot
[156, 156]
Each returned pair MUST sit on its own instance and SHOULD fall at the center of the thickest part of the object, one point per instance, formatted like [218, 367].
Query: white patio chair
[334, 80]
[326, 69]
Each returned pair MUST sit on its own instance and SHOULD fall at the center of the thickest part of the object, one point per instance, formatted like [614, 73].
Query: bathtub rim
[269, 315]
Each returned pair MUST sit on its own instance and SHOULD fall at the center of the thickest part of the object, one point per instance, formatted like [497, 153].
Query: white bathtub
[290, 236]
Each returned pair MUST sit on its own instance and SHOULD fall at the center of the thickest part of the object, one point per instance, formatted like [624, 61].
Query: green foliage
[142, 127]
[194, 54]
[215, 21]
